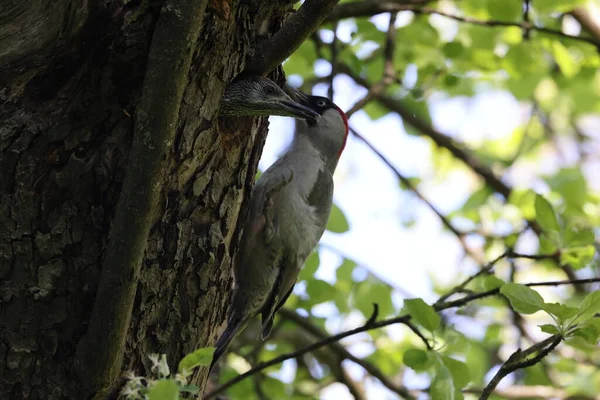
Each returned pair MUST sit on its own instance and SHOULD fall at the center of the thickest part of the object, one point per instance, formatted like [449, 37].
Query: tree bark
[70, 83]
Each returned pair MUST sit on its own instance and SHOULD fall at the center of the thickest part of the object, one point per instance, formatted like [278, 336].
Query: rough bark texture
[70, 80]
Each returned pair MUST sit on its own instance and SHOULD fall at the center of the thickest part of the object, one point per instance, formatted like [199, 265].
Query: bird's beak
[300, 111]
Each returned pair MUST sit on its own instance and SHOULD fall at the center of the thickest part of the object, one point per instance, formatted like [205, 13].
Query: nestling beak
[299, 110]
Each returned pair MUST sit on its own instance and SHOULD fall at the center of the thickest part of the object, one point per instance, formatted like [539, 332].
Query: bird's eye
[322, 103]
[269, 90]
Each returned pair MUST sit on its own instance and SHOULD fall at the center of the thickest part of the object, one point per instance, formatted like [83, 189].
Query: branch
[534, 392]
[467, 299]
[417, 332]
[100, 354]
[372, 369]
[329, 356]
[294, 31]
[369, 8]
[526, 19]
[527, 26]
[518, 360]
[334, 62]
[588, 23]
[375, 325]
[460, 287]
[507, 254]
[389, 72]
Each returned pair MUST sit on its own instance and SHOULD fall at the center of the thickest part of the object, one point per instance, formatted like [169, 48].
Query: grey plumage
[289, 209]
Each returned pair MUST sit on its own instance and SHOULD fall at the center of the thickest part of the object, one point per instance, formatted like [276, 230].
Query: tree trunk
[70, 82]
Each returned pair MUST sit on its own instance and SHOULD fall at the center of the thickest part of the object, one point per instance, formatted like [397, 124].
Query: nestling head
[259, 96]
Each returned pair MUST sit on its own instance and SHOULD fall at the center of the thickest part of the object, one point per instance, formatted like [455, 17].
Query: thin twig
[369, 8]
[417, 332]
[532, 392]
[389, 71]
[458, 288]
[518, 360]
[372, 91]
[372, 369]
[334, 62]
[523, 25]
[526, 9]
[294, 31]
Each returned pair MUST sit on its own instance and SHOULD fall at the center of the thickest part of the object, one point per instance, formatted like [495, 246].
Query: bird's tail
[233, 326]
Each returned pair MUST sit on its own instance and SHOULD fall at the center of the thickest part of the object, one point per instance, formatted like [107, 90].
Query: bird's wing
[289, 266]
[261, 224]
[321, 194]
[284, 284]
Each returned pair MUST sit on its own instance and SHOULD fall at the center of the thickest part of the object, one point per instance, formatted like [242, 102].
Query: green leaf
[417, 359]
[374, 291]
[423, 313]
[575, 237]
[453, 49]
[375, 110]
[302, 60]
[478, 360]
[588, 333]
[344, 271]
[511, 240]
[523, 299]
[560, 311]
[524, 200]
[578, 257]
[490, 282]
[310, 266]
[589, 306]
[549, 328]
[274, 387]
[589, 330]
[504, 10]
[459, 371]
[164, 389]
[442, 385]
[549, 242]
[337, 222]
[571, 184]
[477, 199]
[202, 356]
[319, 291]
[559, 6]
[191, 388]
[545, 215]
[564, 60]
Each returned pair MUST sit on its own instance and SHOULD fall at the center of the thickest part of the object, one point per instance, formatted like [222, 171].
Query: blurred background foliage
[403, 57]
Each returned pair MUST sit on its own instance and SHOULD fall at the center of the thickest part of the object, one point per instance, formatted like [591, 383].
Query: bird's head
[331, 130]
[259, 96]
